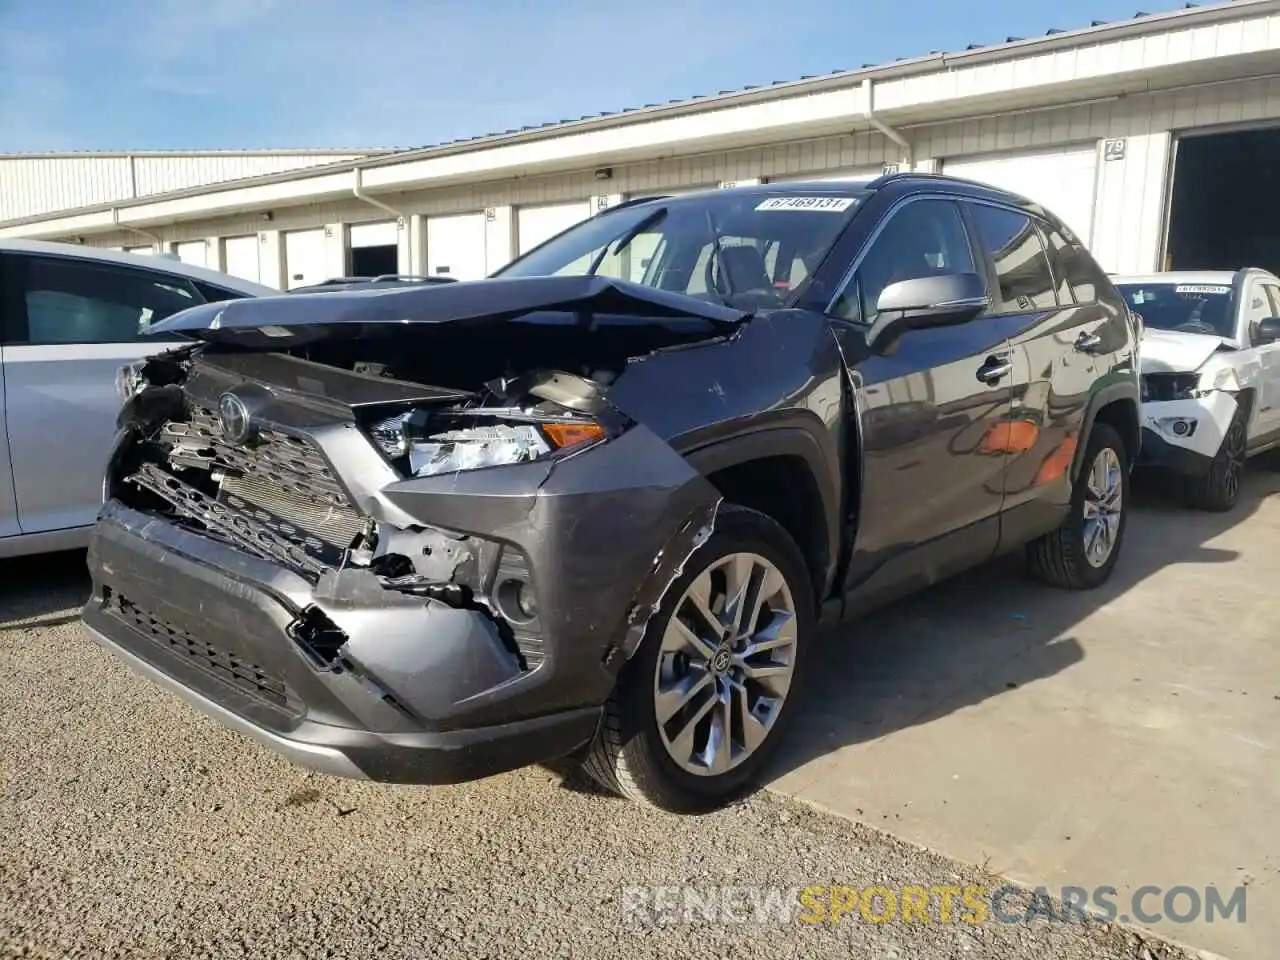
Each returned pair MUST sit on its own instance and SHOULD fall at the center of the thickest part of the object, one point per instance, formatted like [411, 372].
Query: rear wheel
[1219, 489]
[708, 695]
[1081, 553]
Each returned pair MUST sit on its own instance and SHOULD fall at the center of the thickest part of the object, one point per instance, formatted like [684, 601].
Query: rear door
[8, 504]
[70, 325]
[1050, 299]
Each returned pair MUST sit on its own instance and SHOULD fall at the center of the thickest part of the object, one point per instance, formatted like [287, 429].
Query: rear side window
[71, 301]
[1075, 268]
[214, 294]
[1022, 266]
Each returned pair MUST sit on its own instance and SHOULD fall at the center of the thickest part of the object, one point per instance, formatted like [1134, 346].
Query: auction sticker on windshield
[1201, 288]
[823, 204]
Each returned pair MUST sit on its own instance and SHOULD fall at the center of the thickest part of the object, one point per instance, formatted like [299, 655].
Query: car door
[71, 324]
[1039, 274]
[931, 492]
[1266, 417]
[8, 505]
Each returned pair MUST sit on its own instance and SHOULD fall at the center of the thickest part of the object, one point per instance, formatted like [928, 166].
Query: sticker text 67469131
[1201, 288]
[821, 204]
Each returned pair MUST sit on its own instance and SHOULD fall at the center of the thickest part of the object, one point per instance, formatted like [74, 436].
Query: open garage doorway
[1224, 210]
[374, 250]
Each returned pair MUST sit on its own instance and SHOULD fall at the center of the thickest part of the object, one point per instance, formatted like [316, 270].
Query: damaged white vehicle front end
[1190, 389]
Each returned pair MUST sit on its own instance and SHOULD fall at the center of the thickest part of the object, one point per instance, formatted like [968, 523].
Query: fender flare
[793, 438]
[1125, 390]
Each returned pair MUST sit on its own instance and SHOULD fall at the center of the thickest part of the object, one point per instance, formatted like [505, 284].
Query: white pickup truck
[1210, 365]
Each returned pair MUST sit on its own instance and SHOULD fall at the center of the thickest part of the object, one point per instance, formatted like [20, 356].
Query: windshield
[1184, 307]
[747, 250]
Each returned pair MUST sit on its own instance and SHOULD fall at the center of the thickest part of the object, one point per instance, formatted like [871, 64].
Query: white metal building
[1157, 139]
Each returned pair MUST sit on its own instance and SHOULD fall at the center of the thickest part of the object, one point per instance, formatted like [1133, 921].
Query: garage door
[536, 224]
[242, 258]
[194, 252]
[304, 258]
[141, 251]
[456, 246]
[382, 234]
[1060, 180]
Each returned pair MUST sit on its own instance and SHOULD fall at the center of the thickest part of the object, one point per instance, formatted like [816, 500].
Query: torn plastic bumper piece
[227, 633]
[1185, 435]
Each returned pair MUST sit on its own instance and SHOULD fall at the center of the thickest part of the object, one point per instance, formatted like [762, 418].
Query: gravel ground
[131, 827]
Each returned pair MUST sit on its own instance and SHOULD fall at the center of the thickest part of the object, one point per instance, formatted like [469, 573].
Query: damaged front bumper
[225, 632]
[1185, 435]
[343, 674]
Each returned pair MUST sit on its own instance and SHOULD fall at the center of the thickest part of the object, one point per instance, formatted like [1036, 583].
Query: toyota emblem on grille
[237, 425]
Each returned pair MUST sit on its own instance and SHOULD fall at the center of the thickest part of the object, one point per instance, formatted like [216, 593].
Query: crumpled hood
[290, 319]
[1166, 351]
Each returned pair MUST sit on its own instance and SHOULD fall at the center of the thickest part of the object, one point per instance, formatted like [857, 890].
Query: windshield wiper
[718, 259]
[638, 228]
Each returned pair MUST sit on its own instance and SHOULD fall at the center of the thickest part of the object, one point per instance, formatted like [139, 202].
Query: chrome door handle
[1088, 342]
[996, 368]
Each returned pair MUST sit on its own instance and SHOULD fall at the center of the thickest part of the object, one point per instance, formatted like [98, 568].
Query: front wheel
[1082, 552]
[1219, 489]
[707, 696]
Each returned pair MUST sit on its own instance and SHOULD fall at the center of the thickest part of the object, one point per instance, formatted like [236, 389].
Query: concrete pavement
[1122, 738]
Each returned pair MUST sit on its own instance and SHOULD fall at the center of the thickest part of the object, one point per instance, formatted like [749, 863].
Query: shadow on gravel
[42, 591]
[986, 631]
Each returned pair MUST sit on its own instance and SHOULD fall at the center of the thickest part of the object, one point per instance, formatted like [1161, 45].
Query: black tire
[1219, 490]
[1058, 558]
[627, 755]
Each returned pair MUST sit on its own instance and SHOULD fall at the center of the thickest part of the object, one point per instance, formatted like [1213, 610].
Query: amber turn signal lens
[572, 434]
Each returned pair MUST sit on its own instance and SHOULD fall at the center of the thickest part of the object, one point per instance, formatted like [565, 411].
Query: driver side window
[924, 238]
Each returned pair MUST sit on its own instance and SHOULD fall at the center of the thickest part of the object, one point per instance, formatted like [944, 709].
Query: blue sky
[188, 74]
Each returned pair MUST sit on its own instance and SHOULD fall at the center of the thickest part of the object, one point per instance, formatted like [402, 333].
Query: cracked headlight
[496, 445]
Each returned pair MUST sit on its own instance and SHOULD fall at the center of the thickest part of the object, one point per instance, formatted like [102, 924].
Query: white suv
[1210, 374]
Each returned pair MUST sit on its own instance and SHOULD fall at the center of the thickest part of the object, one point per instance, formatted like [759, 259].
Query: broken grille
[256, 532]
[227, 667]
[277, 498]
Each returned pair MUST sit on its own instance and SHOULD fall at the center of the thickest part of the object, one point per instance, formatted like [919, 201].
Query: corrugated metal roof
[846, 71]
[184, 154]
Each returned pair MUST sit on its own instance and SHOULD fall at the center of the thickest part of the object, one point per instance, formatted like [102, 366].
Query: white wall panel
[456, 246]
[304, 258]
[1128, 224]
[867, 173]
[1062, 180]
[536, 224]
[146, 251]
[241, 255]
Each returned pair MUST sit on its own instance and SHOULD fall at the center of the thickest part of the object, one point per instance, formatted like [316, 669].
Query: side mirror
[1267, 331]
[927, 302]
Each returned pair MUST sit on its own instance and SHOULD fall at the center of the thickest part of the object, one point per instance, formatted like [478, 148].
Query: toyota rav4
[596, 506]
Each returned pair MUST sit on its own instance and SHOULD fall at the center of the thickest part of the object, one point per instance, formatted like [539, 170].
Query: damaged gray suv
[597, 506]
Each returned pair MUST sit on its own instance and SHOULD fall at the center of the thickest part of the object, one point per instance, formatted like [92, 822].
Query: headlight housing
[425, 445]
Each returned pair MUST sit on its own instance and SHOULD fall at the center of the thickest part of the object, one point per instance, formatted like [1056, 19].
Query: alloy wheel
[1233, 454]
[1103, 507]
[725, 665]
